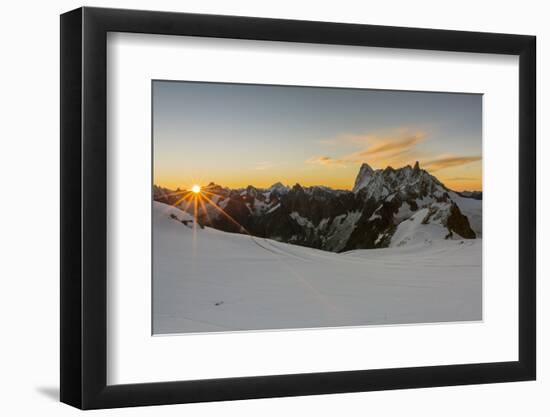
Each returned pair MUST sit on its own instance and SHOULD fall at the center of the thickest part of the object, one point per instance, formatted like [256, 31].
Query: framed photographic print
[257, 208]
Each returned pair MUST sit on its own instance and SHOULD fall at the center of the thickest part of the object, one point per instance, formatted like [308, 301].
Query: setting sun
[196, 189]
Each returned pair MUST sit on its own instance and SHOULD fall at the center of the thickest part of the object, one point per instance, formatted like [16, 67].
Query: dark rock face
[166, 196]
[333, 220]
[458, 223]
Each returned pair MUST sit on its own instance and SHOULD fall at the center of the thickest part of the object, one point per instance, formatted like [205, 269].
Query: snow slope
[205, 280]
[413, 232]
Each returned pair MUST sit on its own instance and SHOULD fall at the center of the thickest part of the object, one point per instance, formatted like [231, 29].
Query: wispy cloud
[389, 146]
[325, 160]
[447, 162]
[393, 145]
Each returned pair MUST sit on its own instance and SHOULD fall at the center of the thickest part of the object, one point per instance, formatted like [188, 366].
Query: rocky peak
[278, 187]
[298, 188]
[405, 180]
[365, 168]
[213, 186]
[251, 191]
[363, 177]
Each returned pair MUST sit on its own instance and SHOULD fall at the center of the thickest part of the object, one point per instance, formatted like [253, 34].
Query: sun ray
[181, 199]
[195, 207]
[242, 228]
[212, 194]
[203, 206]
[203, 191]
[175, 193]
[187, 200]
[208, 190]
[194, 226]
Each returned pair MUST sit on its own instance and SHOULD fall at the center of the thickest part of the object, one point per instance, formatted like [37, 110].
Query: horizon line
[344, 188]
[186, 188]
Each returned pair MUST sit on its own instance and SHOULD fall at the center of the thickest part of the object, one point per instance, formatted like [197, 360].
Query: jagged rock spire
[365, 168]
[297, 187]
[416, 166]
[278, 185]
[363, 177]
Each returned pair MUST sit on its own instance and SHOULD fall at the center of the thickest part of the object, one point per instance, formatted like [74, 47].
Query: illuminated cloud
[397, 148]
[393, 146]
[447, 162]
[325, 160]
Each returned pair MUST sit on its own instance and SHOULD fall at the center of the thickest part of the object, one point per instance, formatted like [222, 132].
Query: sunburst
[195, 199]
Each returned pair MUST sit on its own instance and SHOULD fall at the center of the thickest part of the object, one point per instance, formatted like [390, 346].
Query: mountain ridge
[369, 216]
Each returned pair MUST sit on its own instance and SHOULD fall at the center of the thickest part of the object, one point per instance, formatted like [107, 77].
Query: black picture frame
[84, 207]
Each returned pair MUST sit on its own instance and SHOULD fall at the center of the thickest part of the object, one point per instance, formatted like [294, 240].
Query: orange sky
[459, 179]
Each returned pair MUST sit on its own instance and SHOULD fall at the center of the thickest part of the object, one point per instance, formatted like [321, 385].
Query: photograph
[294, 207]
[254, 206]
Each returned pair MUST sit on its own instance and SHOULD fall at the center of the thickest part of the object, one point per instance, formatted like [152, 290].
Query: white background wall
[29, 225]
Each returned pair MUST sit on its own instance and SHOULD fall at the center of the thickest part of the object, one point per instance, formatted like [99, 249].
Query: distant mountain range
[387, 207]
